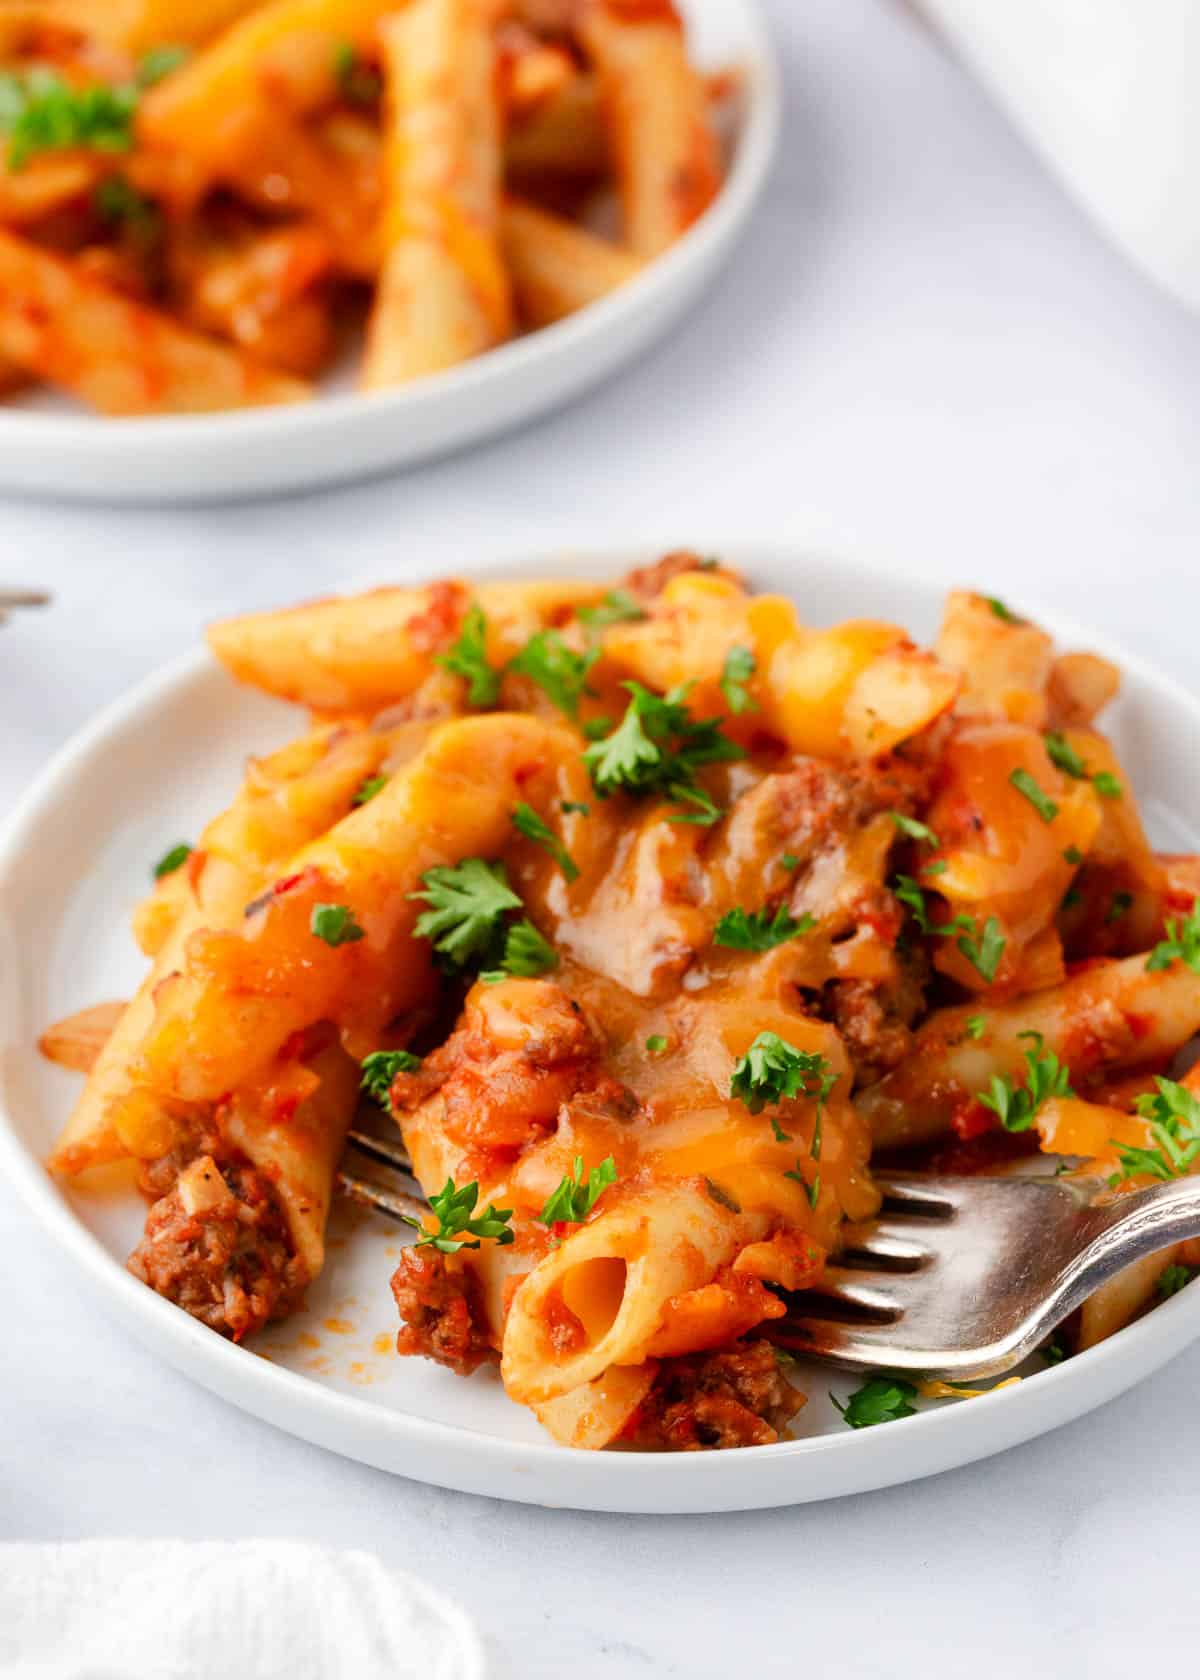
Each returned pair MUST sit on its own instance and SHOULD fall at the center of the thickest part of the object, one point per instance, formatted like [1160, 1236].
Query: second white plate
[341, 437]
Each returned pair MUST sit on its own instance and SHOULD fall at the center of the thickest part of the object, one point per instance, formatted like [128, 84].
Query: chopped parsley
[160, 62]
[467, 905]
[380, 1068]
[40, 112]
[1182, 943]
[1042, 803]
[457, 1220]
[556, 668]
[527, 822]
[741, 930]
[617, 607]
[1174, 1278]
[773, 1069]
[117, 200]
[175, 859]
[1173, 1114]
[813, 1190]
[939, 866]
[789, 860]
[1107, 785]
[1017, 1106]
[739, 668]
[368, 789]
[1073, 856]
[975, 1026]
[1001, 611]
[1064, 757]
[982, 951]
[881, 1400]
[1120, 905]
[526, 955]
[1071, 898]
[577, 805]
[656, 1044]
[658, 748]
[468, 659]
[357, 82]
[335, 924]
[575, 1198]
[1053, 1352]
[914, 830]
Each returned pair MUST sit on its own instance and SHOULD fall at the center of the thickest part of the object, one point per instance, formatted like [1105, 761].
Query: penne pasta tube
[561, 135]
[77, 1041]
[1113, 1014]
[139, 24]
[595, 1415]
[288, 798]
[443, 293]
[49, 183]
[207, 108]
[1006, 663]
[557, 268]
[601, 1298]
[357, 653]
[116, 355]
[655, 107]
[242, 994]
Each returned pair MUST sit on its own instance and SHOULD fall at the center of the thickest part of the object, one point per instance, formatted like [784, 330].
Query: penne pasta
[557, 268]
[443, 291]
[116, 355]
[655, 107]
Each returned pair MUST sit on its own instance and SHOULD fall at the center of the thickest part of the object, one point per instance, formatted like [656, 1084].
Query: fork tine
[393, 1204]
[380, 1149]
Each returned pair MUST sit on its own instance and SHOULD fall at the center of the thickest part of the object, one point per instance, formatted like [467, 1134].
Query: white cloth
[254, 1610]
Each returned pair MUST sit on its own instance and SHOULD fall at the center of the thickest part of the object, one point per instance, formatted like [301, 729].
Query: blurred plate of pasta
[249, 246]
[648, 995]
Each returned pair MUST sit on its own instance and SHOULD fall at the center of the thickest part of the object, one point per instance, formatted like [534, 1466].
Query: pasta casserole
[653, 917]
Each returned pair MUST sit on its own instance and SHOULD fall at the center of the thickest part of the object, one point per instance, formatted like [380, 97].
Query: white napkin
[252, 1610]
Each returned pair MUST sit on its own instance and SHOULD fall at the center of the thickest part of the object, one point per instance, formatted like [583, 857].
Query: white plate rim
[475, 1461]
[757, 141]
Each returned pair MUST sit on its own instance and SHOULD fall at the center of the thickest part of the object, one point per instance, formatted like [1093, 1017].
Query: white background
[924, 356]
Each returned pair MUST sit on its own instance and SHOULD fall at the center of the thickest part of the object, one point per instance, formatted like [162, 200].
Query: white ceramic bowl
[73, 862]
[341, 437]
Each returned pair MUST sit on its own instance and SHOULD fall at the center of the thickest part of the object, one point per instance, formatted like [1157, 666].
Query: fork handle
[1118, 1233]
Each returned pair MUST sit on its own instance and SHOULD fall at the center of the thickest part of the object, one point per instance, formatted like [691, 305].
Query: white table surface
[924, 355]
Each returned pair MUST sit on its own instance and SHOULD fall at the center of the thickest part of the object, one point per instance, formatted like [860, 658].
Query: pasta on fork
[655, 918]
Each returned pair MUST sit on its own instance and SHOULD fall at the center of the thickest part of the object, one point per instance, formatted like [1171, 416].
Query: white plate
[73, 862]
[336, 438]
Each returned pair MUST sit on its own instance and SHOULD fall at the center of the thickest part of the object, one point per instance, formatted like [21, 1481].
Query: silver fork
[12, 598]
[963, 1277]
[957, 1278]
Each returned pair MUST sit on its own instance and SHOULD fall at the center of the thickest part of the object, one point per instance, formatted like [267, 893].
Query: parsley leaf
[526, 955]
[1042, 803]
[658, 748]
[117, 201]
[881, 1400]
[468, 659]
[1107, 785]
[913, 829]
[975, 1026]
[1182, 943]
[739, 668]
[368, 789]
[1064, 757]
[40, 112]
[813, 1190]
[773, 1069]
[556, 668]
[569, 805]
[574, 1199]
[1174, 1278]
[1017, 1106]
[984, 951]
[1121, 904]
[656, 1044]
[160, 62]
[617, 607]
[1053, 1352]
[175, 859]
[742, 931]
[1073, 856]
[527, 822]
[455, 1210]
[467, 904]
[789, 860]
[335, 924]
[380, 1068]
[1174, 1116]
[356, 81]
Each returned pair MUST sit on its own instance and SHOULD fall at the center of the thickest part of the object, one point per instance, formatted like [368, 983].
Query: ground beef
[736, 1397]
[231, 1265]
[647, 582]
[441, 1311]
[877, 1040]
